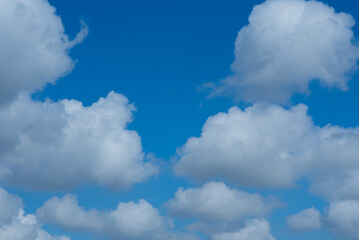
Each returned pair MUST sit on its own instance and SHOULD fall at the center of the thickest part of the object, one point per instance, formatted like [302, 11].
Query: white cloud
[307, 219]
[67, 214]
[9, 206]
[338, 186]
[26, 227]
[343, 216]
[49, 146]
[267, 146]
[288, 44]
[33, 47]
[215, 201]
[138, 221]
[128, 221]
[15, 225]
[255, 229]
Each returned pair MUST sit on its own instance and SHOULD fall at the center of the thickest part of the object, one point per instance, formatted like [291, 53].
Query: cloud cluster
[16, 225]
[288, 44]
[48, 145]
[34, 47]
[58, 145]
[129, 220]
[267, 146]
[215, 201]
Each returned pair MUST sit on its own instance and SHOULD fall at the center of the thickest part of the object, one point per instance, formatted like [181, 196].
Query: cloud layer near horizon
[286, 45]
[130, 220]
[141, 220]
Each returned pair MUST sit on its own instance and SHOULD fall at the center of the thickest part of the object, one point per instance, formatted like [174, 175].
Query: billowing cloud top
[268, 146]
[130, 220]
[286, 45]
[215, 201]
[16, 225]
[63, 144]
[33, 46]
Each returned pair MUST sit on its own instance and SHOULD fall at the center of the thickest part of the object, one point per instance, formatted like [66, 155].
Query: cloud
[129, 220]
[16, 225]
[307, 219]
[33, 47]
[338, 186]
[58, 145]
[343, 216]
[67, 214]
[9, 206]
[215, 201]
[288, 44]
[267, 146]
[255, 229]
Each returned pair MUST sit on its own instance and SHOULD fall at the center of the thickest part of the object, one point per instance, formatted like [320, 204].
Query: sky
[179, 120]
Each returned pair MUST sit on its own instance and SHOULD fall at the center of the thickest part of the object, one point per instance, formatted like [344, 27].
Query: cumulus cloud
[215, 201]
[33, 47]
[255, 229]
[129, 220]
[307, 219]
[67, 214]
[288, 44]
[9, 206]
[58, 145]
[338, 186]
[16, 225]
[343, 216]
[267, 146]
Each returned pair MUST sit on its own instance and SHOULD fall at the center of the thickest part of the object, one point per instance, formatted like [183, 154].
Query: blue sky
[226, 129]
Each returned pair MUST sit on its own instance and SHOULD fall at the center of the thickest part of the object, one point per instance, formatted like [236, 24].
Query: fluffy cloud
[338, 186]
[56, 145]
[343, 216]
[267, 146]
[216, 202]
[15, 225]
[288, 44]
[67, 214]
[128, 221]
[305, 220]
[33, 47]
[255, 229]
[9, 206]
